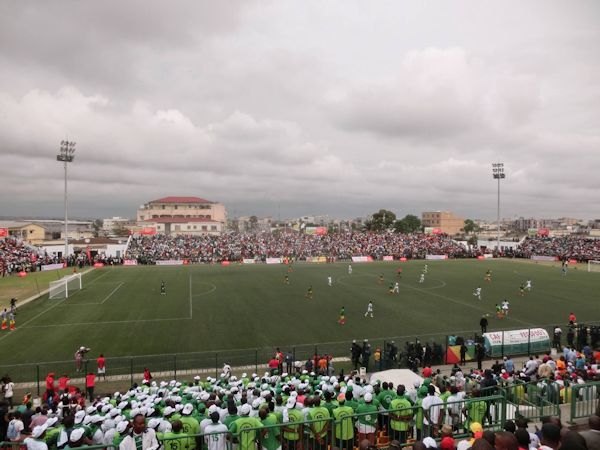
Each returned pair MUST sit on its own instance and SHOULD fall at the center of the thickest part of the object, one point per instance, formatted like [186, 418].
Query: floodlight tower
[66, 155]
[498, 173]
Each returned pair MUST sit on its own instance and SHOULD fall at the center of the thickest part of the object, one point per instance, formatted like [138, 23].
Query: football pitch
[121, 312]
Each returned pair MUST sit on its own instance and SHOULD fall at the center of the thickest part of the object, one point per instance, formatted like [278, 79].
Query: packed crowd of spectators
[304, 410]
[563, 247]
[298, 246]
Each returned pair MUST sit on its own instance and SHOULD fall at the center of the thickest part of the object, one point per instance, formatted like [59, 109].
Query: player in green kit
[488, 275]
[286, 279]
[342, 319]
[522, 290]
[163, 288]
[309, 293]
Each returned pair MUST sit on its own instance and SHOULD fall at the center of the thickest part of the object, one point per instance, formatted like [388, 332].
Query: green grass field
[120, 311]
[32, 284]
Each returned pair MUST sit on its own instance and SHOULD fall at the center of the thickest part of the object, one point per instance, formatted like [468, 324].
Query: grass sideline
[120, 311]
[28, 286]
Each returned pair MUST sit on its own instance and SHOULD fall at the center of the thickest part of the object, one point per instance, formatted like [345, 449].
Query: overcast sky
[301, 107]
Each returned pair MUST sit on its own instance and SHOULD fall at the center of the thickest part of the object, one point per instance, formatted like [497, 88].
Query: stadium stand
[303, 410]
[564, 247]
[341, 246]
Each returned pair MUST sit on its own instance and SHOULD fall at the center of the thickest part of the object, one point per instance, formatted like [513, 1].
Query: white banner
[170, 262]
[360, 259]
[248, 261]
[52, 267]
[488, 256]
[273, 260]
[517, 336]
[130, 262]
[436, 256]
[388, 258]
[543, 258]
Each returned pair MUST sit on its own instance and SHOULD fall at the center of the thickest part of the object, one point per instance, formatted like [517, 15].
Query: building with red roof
[183, 215]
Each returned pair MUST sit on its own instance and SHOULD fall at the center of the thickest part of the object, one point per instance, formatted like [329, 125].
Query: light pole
[498, 173]
[66, 155]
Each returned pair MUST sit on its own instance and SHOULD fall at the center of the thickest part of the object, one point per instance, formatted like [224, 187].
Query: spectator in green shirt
[401, 414]
[343, 425]
[271, 439]
[318, 426]
[367, 419]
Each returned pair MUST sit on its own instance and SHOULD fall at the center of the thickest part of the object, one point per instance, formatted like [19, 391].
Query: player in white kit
[329, 281]
[505, 307]
[477, 293]
[528, 285]
[349, 269]
[369, 309]
[422, 279]
[396, 289]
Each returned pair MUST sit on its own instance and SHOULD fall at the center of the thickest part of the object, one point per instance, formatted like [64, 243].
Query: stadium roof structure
[177, 220]
[175, 199]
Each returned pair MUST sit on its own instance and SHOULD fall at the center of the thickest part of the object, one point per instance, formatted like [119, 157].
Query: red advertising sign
[148, 231]
[98, 264]
[480, 257]
[572, 261]
[3, 232]
[225, 263]
[403, 259]
[436, 231]
[543, 232]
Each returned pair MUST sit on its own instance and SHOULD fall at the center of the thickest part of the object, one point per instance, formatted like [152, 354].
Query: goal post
[593, 266]
[65, 286]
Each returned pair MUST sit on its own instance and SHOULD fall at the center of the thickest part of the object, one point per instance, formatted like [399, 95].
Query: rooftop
[178, 220]
[174, 199]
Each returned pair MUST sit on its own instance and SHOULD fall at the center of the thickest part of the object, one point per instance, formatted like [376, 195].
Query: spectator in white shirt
[432, 406]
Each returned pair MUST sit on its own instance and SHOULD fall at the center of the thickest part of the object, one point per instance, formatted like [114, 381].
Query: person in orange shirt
[62, 384]
[561, 365]
[90, 381]
[572, 318]
[101, 362]
[323, 365]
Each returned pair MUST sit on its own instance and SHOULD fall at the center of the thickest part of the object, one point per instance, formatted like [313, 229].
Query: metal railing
[584, 400]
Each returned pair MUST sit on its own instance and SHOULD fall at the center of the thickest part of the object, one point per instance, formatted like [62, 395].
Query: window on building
[204, 228]
[177, 227]
[163, 206]
[195, 227]
[175, 207]
[213, 228]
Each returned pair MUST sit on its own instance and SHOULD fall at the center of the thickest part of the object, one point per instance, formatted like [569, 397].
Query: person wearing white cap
[190, 425]
[292, 417]
[215, 433]
[140, 437]
[367, 419]
[36, 441]
[247, 424]
[76, 439]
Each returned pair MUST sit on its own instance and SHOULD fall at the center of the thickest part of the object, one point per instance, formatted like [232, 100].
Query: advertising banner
[273, 261]
[319, 231]
[543, 232]
[488, 256]
[170, 262]
[248, 261]
[436, 256]
[572, 261]
[404, 259]
[3, 232]
[130, 262]
[543, 258]
[225, 263]
[46, 267]
[517, 341]
[388, 258]
[362, 259]
[98, 264]
[532, 232]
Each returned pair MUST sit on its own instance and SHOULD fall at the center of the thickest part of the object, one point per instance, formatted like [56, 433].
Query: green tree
[408, 224]
[381, 220]
[97, 226]
[470, 226]
[472, 240]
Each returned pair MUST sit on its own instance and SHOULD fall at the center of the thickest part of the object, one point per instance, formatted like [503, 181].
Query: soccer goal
[65, 286]
[593, 266]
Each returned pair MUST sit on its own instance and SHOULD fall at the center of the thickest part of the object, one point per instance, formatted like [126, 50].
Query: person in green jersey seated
[343, 425]
[246, 428]
[318, 425]
[367, 419]
[271, 439]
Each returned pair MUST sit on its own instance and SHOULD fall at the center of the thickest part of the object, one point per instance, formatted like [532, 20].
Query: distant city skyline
[292, 108]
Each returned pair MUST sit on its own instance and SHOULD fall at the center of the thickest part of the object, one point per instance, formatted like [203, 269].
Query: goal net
[65, 286]
[593, 266]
